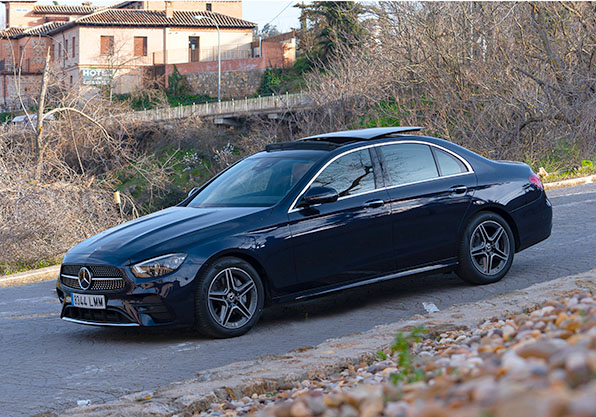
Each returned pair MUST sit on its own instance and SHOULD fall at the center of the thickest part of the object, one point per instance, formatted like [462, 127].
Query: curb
[570, 183]
[29, 277]
[274, 372]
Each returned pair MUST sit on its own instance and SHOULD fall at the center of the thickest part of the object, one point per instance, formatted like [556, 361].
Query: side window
[449, 164]
[351, 174]
[409, 162]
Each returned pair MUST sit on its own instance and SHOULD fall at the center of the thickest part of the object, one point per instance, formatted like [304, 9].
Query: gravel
[538, 363]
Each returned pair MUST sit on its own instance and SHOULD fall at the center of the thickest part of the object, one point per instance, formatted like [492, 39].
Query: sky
[279, 13]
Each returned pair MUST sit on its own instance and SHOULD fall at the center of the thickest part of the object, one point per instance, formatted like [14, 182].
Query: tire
[229, 298]
[486, 249]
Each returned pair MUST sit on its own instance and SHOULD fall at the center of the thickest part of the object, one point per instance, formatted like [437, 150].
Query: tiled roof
[11, 32]
[63, 9]
[40, 30]
[43, 29]
[157, 18]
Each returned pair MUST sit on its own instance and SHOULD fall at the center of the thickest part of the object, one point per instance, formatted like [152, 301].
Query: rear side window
[409, 162]
[449, 164]
[351, 174]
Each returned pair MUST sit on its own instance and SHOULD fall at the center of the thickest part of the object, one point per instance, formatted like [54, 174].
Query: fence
[224, 108]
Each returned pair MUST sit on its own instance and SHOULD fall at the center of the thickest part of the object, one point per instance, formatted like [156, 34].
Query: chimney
[169, 9]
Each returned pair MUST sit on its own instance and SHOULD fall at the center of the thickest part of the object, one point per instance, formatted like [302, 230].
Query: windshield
[258, 181]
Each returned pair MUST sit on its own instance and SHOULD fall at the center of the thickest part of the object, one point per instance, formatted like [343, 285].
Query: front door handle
[374, 204]
[459, 189]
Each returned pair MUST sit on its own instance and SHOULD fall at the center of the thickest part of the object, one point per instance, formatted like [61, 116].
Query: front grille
[108, 316]
[105, 277]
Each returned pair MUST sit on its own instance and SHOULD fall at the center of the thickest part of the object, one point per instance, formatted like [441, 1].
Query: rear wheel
[486, 249]
[229, 298]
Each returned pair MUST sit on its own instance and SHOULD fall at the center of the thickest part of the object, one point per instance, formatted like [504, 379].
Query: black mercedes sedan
[305, 218]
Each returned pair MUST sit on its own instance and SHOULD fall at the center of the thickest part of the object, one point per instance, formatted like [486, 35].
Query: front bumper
[167, 300]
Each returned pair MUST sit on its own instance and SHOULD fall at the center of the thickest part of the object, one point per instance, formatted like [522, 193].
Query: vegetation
[330, 26]
[408, 371]
[6, 117]
[507, 80]
[178, 93]
[586, 168]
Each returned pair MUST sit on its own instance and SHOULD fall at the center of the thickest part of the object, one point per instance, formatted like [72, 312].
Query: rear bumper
[534, 222]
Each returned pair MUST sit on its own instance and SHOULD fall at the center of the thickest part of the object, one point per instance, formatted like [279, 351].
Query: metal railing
[225, 108]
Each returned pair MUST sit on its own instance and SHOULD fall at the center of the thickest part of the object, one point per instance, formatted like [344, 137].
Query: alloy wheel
[232, 297]
[489, 247]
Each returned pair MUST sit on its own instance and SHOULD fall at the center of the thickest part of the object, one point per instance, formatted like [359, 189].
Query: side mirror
[318, 195]
[193, 191]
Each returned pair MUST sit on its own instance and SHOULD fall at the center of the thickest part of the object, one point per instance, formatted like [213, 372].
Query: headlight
[159, 266]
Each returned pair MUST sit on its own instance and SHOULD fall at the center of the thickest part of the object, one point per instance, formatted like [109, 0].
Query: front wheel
[229, 298]
[486, 249]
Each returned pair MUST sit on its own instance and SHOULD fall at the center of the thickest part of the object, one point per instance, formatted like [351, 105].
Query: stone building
[128, 45]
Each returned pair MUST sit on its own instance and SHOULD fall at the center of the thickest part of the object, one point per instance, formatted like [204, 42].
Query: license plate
[96, 302]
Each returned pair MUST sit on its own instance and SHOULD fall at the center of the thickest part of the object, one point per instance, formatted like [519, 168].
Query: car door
[349, 239]
[431, 190]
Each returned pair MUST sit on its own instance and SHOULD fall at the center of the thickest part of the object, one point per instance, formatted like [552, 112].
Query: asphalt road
[49, 365]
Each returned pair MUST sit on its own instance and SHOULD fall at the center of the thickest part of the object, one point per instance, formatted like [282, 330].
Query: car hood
[163, 232]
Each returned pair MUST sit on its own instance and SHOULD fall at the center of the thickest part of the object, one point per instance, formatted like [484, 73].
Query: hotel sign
[98, 76]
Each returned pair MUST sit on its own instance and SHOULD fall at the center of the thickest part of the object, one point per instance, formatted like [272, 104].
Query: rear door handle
[460, 189]
[374, 204]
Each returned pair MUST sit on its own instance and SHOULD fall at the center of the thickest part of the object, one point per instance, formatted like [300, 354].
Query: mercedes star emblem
[85, 278]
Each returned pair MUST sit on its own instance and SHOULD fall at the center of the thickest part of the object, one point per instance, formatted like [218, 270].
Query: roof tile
[132, 17]
[63, 9]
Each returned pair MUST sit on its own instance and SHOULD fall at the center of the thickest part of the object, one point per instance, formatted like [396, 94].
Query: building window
[107, 45]
[208, 7]
[73, 47]
[140, 46]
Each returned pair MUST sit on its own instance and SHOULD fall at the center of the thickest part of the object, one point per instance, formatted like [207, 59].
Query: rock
[512, 363]
[485, 390]
[584, 405]
[347, 410]
[372, 407]
[397, 409]
[299, 409]
[316, 404]
[283, 410]
[577, 368]
[333, 399]
[543, 350]
[432, 410]
[508, 332]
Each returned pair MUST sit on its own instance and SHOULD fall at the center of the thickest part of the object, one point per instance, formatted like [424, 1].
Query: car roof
[342, 137]
[333, 140]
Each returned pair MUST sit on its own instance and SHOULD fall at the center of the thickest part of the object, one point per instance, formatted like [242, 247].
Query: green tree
[178, 86]
[329, 25]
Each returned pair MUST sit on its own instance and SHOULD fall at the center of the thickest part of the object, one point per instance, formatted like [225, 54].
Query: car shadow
[392, 291]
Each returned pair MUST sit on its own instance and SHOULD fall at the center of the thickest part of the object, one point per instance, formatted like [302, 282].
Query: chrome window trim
[294, 209]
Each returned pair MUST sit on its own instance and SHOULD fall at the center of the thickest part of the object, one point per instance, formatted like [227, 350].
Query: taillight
[535, 179]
